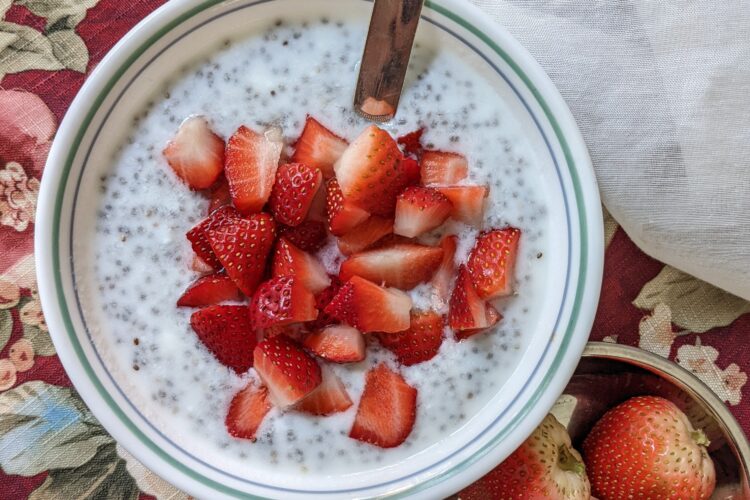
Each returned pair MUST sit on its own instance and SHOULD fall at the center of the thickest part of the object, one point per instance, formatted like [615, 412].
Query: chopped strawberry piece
[282, 301]
[321, 301]
[492, 261]
[242, 246]
[420, 209]
[443, 169]
[410, 167]
[292, 195]
[420, 342]
[447, 270]
[288, 260]
[247, 411]
[286, 369]
[343, 216]
[469, 314]
[330, 396]
[295, 331]
[387, 409]
[226, 332]
[199, 240]
[209, 290]
[369, 307]
[370, 172]
[251, 160]
[411, 143]
[337, 343]
[201, 266]
[402, 265]
[468, 203]
[219, 195]
[196, 154]
[308, 236]
[317, 210]
[365, 234]
[318, 147]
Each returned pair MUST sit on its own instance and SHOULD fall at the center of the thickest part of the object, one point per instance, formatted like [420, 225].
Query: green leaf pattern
[6, 327]
[59, 47]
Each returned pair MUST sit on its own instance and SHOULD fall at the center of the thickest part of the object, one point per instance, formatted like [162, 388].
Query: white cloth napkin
[661, 92]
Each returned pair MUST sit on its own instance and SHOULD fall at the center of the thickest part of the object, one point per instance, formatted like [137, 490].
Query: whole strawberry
[646, 447]
[545, 467]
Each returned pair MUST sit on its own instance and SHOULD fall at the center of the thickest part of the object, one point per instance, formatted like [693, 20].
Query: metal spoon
[386, 58]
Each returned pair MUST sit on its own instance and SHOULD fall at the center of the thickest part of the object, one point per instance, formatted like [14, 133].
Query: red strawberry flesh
[343, 216]
[199, 240]
[293, 192]
[468, 312]
[370, 172]
[251, 160]
[337, 343]
[242, 246]
[309, 236]
[286, 369]
[318, 147]
[420, 342]
[447, 270]
[387, 409]
[365, 235]
[247, 411]
[226, 332]
[288, 260]
[420, 209]
[402, 265]
[209, 290]
[492, 262]
[196, 154]
[330, 396]
[282, 301]
[468, 203]
[369, 307]
[439, 168]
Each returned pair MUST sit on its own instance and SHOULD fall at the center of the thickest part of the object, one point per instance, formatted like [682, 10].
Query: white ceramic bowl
[169, 38]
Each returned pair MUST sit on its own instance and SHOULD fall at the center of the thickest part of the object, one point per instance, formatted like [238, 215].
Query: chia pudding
[140, 260]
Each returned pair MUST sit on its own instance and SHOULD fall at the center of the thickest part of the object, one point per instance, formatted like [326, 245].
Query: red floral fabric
[643, 302]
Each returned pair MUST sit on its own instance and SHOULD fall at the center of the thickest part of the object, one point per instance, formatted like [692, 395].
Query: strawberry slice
[387, 409]
[208, 290]
[196, 153]
[242, 246]
[247, 411]
[286, 369]
[317, 210]
[369, 307]
[410, 167]
[337, 343]
[370, 172]
[281, 301]
[492, 261]
[439, 168]
[330, 396]
[219, 195]
[342, 215]
[296, 186]
[306, 269]
[403, 265]
[226, 332]
[420, 209]
[199, 240]
[200, 266]
[251, 160]
[411, 143]
[441, 281]
[420, 342]
[365, 235]
[468, 203]
[322, 299]
[309, 236]
[469, 314]
[318, 147]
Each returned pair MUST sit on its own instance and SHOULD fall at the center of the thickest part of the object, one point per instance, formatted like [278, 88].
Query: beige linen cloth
[661, 92]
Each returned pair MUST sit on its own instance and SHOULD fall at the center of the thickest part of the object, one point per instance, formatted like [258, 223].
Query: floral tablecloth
[50, 444]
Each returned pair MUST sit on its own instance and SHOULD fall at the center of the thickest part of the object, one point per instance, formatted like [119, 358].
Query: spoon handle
[386, 58]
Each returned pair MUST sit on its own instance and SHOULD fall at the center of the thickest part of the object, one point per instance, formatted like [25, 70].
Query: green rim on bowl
[166, 457]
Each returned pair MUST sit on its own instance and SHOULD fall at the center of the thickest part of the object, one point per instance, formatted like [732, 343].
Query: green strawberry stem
[568, 462]
[699, 437]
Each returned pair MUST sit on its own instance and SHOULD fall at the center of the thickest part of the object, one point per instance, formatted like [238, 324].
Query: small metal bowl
[611, 373]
